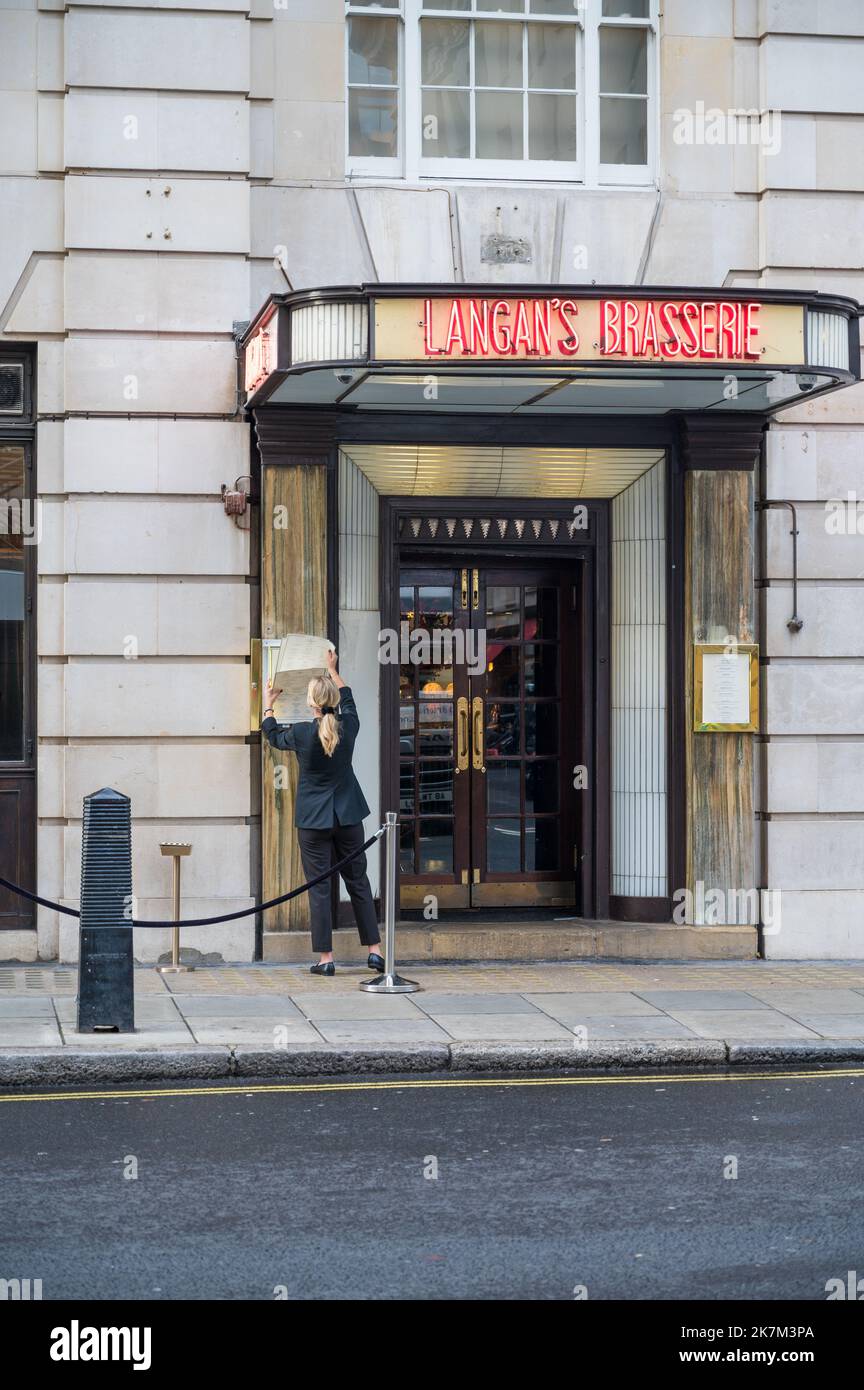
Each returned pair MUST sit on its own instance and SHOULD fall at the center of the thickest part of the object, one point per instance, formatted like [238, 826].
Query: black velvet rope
[208, 921]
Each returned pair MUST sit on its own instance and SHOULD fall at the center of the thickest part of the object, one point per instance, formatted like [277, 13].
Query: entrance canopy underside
[429, 470]
[639, 391]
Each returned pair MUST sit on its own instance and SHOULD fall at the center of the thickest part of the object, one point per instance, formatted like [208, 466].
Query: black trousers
[319, 850]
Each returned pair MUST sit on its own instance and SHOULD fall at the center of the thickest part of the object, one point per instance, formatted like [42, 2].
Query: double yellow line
[656, 1079]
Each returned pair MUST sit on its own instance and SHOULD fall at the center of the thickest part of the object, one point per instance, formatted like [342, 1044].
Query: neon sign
[561, 327]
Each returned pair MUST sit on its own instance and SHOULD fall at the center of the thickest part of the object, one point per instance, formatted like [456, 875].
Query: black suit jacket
[328, 789]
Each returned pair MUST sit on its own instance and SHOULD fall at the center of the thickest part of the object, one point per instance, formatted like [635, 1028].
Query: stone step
[526, 941]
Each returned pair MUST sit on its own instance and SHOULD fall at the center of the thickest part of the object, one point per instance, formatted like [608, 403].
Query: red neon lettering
[671, 346]
[726, 316]
[501, 336]
[427, 327]
[456, 328]
[522, 336]
[686, 313]
[752, 329]
[705, 328]
[610, 338]
[631, 324]
[478, 326]
[649, 330]
[543, 325]
[568, 346]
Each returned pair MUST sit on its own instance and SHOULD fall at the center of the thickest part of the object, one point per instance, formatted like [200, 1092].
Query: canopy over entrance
[431, 470]
[522, 351]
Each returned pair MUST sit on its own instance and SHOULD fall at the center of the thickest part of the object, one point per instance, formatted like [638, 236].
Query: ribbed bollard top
[106, 860]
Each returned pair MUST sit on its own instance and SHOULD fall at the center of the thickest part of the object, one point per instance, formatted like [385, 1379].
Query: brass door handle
[462, 734]
[477, 735]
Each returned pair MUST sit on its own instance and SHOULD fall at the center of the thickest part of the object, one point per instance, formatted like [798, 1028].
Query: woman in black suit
[330, 807]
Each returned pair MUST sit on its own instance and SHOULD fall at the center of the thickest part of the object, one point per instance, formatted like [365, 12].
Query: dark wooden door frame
[592, 551]
[18, 778]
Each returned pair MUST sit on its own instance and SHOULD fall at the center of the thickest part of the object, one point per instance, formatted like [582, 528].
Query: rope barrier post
[177, 852]
[390, 982]
[106, 988]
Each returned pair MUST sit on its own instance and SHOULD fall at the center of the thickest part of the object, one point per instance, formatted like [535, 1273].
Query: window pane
[541, 670]
[502, 669]
[406, 789]
[373, 51]
[446, 125]
[435, 607]
[553, 6]
[435, 682]
[541, 729]
[502, 789]
[436, 728]
[376, 4]
[406, 847]
[625, 9]
[373, 122]
[541, 612]
[623, 131]
[552, 56]
[446, 48]
[502, 846]
[502, 730]
[552, 127]
[498, 55]
[436, 847]
[13, 521]
[624, 61]
[502, 609]
[541, 845]
[436, 789]
[406, 605]
[406, 729]
[446, 4]
[541, 787]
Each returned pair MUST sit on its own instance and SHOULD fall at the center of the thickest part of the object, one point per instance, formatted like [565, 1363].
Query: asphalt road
[318, 1189]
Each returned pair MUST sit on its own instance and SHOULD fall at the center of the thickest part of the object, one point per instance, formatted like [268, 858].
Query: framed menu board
[726, 689]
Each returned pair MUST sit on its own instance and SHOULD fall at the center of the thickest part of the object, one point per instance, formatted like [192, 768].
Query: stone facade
[158, 166]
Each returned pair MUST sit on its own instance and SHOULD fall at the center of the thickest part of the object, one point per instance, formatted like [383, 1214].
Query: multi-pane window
[554, 89]
[499, 89]
[12, 592]
[373, 85]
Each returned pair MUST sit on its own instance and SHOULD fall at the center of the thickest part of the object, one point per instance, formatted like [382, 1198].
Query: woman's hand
[271, 694]
[332, 658]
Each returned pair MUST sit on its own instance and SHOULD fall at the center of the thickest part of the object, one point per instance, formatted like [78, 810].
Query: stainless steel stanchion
[177, 852]
[390, 982]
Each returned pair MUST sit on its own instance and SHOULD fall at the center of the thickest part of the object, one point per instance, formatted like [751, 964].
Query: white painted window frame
[586, 170]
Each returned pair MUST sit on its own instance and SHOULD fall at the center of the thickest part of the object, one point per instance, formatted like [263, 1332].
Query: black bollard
[106, 997]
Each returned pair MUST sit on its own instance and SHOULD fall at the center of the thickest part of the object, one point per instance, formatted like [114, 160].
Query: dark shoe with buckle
[376, 962]
[324, 967]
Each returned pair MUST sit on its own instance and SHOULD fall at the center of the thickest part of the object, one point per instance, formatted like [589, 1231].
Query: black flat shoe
[376, 962]
[323, 968]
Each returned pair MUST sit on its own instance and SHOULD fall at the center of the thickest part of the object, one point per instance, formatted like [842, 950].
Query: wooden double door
[489, 712]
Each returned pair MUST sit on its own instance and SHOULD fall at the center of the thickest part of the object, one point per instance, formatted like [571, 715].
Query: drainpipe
[795, 623]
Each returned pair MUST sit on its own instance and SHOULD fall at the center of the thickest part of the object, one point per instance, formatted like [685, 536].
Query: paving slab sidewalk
[278, 1020]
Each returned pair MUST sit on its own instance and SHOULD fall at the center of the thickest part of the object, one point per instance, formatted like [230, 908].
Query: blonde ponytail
[323, 693]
